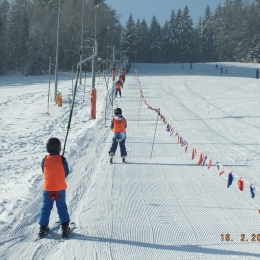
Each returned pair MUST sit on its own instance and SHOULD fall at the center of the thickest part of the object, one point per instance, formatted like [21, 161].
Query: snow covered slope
[160, 204]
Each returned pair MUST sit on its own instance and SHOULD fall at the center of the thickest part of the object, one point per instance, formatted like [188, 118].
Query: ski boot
[111, 157]
[65, 229]
[43, 231]
[123, 159]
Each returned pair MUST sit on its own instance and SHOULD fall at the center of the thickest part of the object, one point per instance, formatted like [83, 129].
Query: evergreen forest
[28, 35]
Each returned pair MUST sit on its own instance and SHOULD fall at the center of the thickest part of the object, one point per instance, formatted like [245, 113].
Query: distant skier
[191, 65]
[119, 85]
[257, 73]
[118, 126]
[113, 73]
[123, 73]
[221, 69]
[55, 170]
[121, 78]
[216, 67]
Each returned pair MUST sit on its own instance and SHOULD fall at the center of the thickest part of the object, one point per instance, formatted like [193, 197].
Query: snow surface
[160, 204]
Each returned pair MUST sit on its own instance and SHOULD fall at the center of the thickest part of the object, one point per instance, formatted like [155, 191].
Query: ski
[72, 226]
[42, 236]
[39, 237]
[111, 160]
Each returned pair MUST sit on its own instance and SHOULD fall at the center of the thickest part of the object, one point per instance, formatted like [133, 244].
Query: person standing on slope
[121, 78]
[55, 170]
[113, 73]
[118, 126]
[119, 85]
[123, 73]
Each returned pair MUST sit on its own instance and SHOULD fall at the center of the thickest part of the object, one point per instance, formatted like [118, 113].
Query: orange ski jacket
[119, 85]
[54, 173]
[119, 125]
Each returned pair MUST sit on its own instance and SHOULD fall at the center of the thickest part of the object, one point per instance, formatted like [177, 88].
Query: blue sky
[160, 8]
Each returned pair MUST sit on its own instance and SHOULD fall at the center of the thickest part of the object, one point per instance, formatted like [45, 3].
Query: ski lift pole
[71, 110]
[106, 110]
[49, 76]
[85, 81]
[112, 90]
[113, 96]
[73, 99]
[107, 82]
[155, 131]
[72, 77]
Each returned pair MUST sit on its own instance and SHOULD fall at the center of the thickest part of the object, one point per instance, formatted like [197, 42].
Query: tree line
[28, 34]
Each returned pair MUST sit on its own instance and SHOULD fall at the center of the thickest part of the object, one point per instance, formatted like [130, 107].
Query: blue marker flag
[252, 190]
[230, 179]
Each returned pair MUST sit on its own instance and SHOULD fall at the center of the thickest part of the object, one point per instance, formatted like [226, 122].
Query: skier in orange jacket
[118, 126]
[119, 85]
[55, 170]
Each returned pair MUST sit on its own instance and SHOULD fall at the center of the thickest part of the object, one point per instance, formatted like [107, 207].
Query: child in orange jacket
[55, 169]
[119, 85]
[118, 126]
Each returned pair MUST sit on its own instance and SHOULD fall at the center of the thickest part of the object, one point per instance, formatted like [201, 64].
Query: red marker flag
[194, 153]
[210, 162]
[223, 170]
[241, 184]
[200, 159]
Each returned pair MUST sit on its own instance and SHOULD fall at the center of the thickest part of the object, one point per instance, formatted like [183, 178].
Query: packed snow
[159, 205]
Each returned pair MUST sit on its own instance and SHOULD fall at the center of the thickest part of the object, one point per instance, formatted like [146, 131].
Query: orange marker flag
[200, 159]
[223, 170]
[194, 153]
[210, 162]
[186, 148]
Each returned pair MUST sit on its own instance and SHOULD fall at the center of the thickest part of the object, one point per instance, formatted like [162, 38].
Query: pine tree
[128, 39]
[217, 25]
[251, 33]
[4, 13]
[179, 45]
[18, 33]
[165, 43]
[142, 42]
[207, 37]
[155, 41]
[189, 44]
[174, 37]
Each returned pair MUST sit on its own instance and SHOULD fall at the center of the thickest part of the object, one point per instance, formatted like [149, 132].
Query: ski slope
[160, 204]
